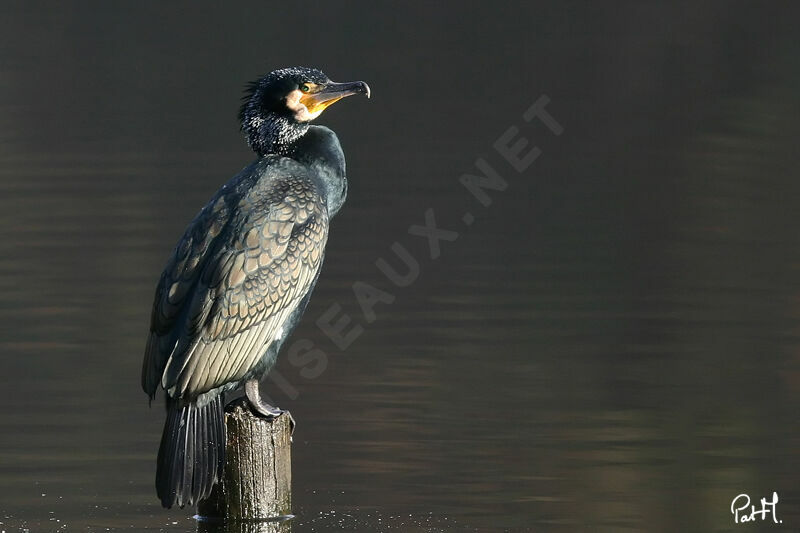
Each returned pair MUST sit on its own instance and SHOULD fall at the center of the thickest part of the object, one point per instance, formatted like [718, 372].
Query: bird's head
[278, 107]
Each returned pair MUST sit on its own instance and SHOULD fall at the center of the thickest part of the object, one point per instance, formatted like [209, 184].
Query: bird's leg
[261, 407]
[257, 403]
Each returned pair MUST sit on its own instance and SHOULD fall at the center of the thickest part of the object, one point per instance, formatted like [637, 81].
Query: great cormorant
[242, 274]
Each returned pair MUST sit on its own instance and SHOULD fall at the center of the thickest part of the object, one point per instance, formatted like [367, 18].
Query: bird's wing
[177, 311]
[220, 304]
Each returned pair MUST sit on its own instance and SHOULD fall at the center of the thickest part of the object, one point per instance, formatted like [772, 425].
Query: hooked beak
[332, 92]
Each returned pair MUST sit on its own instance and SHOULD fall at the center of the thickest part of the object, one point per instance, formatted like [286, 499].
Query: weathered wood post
[257, 479]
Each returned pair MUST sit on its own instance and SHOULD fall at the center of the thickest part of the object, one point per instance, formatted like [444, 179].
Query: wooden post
[257, 480]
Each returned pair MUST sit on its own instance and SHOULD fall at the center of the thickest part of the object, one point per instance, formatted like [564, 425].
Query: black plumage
[241, 275]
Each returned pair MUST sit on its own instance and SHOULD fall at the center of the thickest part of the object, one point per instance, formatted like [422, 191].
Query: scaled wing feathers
[242, 267]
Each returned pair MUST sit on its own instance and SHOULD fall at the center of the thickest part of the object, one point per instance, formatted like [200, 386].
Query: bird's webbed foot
[259, 406]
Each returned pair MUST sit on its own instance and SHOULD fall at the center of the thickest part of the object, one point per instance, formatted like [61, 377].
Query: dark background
[612, 344]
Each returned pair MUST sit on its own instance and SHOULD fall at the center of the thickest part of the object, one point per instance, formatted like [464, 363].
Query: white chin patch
[301, 113]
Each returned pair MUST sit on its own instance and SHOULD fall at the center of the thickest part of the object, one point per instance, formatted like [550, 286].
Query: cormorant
[242, 274]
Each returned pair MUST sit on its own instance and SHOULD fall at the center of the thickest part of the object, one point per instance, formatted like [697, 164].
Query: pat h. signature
[743, 512]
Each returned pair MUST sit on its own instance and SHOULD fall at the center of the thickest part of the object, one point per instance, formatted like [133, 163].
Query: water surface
[611, 344]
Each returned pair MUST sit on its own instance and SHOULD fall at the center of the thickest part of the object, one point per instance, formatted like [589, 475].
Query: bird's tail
[192, 452]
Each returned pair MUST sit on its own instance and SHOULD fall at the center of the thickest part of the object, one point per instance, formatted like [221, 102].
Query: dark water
[613, 343]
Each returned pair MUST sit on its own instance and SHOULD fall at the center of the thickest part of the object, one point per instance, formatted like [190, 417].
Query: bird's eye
[305, 88]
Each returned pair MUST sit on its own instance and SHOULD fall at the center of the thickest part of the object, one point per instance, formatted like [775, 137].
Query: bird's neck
[273, 134]
[314, 146]
[320, 150]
